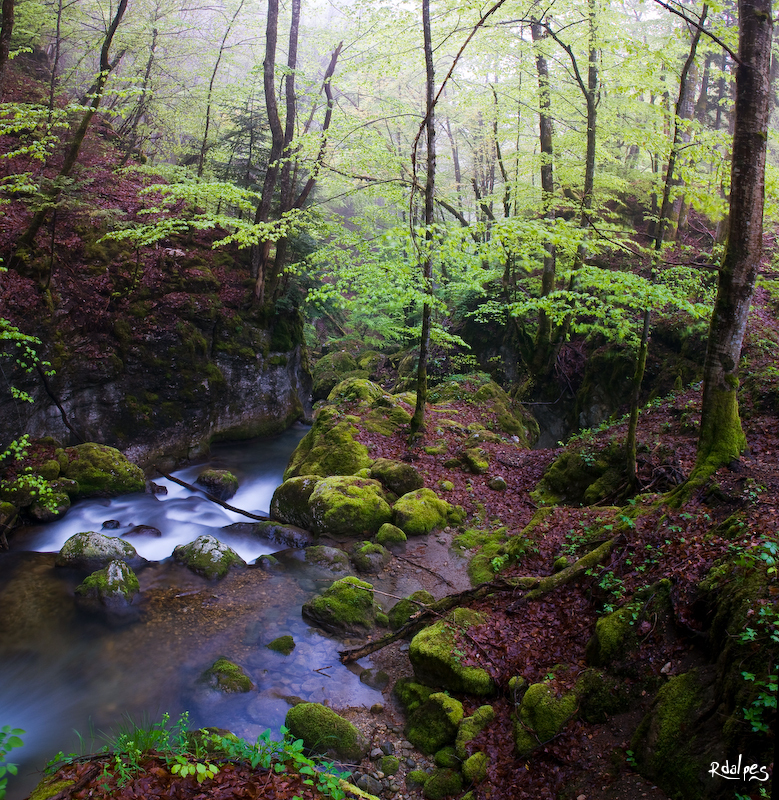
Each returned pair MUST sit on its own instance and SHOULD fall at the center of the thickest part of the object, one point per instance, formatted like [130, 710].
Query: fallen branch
[419, 566]
[211, 497]
[534, 587]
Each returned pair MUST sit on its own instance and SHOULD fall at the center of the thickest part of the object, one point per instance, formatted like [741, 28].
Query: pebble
[369, 784]
[377, 708]
[387, 748]
[376, 753]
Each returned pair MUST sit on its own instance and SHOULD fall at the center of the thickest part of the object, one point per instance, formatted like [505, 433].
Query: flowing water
[63, 672]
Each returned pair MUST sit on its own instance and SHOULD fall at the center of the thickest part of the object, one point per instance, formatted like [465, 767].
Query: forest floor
[586, 761]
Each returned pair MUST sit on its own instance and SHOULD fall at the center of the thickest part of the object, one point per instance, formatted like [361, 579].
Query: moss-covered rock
[390, 535]
[474, 768]
[56, 505]
[389, 765]
[436, 662]
[470, 727]
[329, 371]
[112, 588]
[102, 471]
[225, 676]
[324, 731]
[345, 607]
[446, 757]
[398, 477]
[411, 694]
[290, 501]
[601, 696]
[370, 557]
[91, 551]
[345, 505]
[475, 460]
[434, 723]
[584, 476]
[442, 783]
[355, 389]
[330, 558]
[401, 612]
[207, 556]
[221, 483]
[419, 512]
[49, 788]
[329, 448]
[282, 644]
[541, 716]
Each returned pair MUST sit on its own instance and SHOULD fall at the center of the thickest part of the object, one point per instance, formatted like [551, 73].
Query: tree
[6, 31]
[721, 437]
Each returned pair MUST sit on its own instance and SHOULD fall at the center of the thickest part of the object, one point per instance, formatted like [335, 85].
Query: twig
[419, 566]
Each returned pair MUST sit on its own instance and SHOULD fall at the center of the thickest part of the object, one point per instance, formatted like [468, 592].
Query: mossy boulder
[221, 483]
[389, 765]
[355, 389]
[330, 370]
[329, 448]
[586, 476]
[56, 505]
[434, 723]
[601, 696]
[370, 557]
[324, 731]
[225, 676]
[344, 505]
[401, 612]
[390, 535]
[277, 532]
[475, 460]
[290, 501]
[371, 361]
[346, 607]
[112, 589]
[91, 551]
[474, 768]
[102, 471]
[435, 660]
[411, 694]
[330, 558]
[470, 727]
[419, 512]
[542, 714]
[397, 476]
[282, 644]
[442, 783]
[207, 556]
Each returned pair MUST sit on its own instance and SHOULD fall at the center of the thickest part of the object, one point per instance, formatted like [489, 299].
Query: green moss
[401, 612]
[390, 535]
[475, 768]
[601, 696]
[117, 580]
[470, 727]
[322, 731]
[346, 606]
[442, 783]
[348, 506]
[434, 723]
[417, 777]
[489, 545]
[419, 512]
[329, 557]
[103, 471]
[329, 448]
[389, 765]
[370, 557]
[227, 677]
[446, 757]
[386, 421]
[398, 477]
[283, 644]
[48, 788]
[541, 716]
[411, 694]
[219, 482]
[209, 557]
[434, 656]
[290, 501]
[475, 460]
[355, 389]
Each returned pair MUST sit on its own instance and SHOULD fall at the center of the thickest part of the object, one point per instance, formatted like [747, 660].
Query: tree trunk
[721, 437]
[6, 30]
[418, 419]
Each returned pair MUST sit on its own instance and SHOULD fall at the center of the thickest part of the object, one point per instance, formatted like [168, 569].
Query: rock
[391, 536]
[92, 551]
[111, 589]
[346, 607]
[56, 505]
[276, 532]
[497, 483]
[411, 695]
[329, 371]
[398, 477]
[221, 483]
[419, 512]
[329, 448]
[442, 783]
[369, 784]
[111, 525]
[541, 716]
[471, 727]
[387, 748]
[207, 556]
[348, 506]
[376, 679]
[144, 530]
[401, 612]
[475, 460]
[290, 501]
[370, 557]
[474, 769]
[102, 471]
[225, 676]
[435, 662]
[323, 731]
[434, 723]
[447, 757]
[446, 486]
[283, 644]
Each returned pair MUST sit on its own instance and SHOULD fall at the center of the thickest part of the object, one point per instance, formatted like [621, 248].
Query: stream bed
[67, 677]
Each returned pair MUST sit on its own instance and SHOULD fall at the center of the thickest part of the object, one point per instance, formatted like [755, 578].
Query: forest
[513, 263]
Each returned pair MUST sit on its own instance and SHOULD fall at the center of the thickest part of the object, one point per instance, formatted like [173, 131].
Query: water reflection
[62, 671]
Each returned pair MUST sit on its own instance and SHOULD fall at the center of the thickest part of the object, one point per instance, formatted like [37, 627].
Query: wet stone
[369, 784]
[144, 530]
[376, 753]
[111, 525]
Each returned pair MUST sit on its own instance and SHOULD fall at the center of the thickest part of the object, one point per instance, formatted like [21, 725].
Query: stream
[67, 678]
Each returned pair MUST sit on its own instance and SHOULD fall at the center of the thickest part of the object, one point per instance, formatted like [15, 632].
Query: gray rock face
[90, 551]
